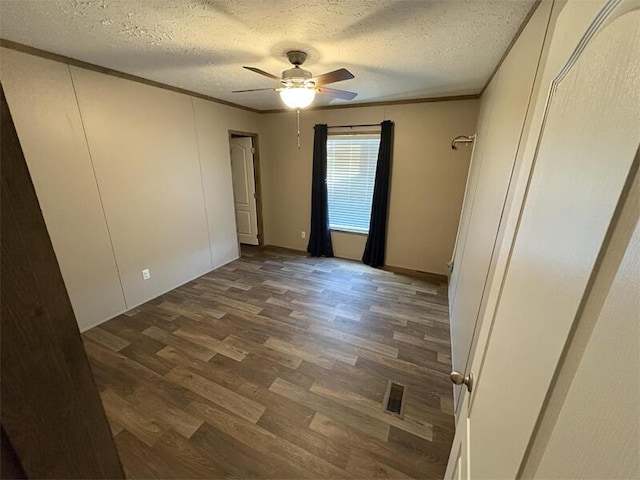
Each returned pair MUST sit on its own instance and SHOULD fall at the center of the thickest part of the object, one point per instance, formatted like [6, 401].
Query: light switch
[146, 275]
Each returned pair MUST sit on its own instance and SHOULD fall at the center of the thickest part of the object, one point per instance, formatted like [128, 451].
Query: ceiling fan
[299, 87]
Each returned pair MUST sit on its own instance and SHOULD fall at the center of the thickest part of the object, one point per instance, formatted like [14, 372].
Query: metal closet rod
[354, 126]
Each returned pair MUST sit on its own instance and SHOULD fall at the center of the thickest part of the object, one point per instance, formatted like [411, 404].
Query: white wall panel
[143, 145]
[43, 106]
[128, 176]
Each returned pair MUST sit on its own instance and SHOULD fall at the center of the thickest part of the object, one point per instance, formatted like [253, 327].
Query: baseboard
[100, 322]
[285, 249]
[434, 277]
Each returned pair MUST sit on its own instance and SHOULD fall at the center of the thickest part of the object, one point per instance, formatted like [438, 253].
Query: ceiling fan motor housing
[297, 57]
[296, 76]
[296, 73]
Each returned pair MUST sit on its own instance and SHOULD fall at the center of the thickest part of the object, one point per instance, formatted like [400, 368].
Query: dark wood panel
[10, 466]
[51, 411]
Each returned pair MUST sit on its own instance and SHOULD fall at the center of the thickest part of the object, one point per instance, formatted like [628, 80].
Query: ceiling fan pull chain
[298, 125]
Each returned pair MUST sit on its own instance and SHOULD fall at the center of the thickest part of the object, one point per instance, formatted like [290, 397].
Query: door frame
[257, 178]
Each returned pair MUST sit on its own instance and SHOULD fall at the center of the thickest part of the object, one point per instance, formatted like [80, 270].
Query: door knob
[458, 379]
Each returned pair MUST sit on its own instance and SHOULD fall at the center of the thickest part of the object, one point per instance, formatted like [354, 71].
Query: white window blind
[351, 171]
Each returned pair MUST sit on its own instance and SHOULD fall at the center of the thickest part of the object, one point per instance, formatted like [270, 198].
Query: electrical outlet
[303, 234]
[146, 275]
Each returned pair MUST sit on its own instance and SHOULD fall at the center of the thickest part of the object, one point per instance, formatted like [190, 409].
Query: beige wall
[213, 122]
[131, 176]
[427, 185]
[128, 177]
[44, 109]
[143, 146]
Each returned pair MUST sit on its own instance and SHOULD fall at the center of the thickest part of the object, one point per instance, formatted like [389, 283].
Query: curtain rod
[353, 126]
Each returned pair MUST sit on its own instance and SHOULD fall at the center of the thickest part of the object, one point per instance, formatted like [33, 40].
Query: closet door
[504, 110]
[584, 172]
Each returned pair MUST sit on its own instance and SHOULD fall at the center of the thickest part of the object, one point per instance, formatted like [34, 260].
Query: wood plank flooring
[275, 366]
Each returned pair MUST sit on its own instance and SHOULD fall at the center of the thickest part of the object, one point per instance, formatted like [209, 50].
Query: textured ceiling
[397, 49]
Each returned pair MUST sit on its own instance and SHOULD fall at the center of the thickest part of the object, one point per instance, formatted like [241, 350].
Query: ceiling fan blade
[332, 92]
[332, 77]
[262, 72]
[253, 90]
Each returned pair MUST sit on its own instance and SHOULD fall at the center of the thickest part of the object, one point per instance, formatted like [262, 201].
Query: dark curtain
[376, 242]
[320, 235]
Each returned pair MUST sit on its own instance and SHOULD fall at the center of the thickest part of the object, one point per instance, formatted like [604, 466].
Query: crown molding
[134, 78]
[115, 73]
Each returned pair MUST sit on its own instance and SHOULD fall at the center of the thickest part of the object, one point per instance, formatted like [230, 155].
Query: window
[351, 171]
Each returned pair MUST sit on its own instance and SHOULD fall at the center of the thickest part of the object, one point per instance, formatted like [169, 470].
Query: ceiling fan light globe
[297, 97]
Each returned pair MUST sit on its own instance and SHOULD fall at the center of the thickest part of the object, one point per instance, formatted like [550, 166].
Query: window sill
[350, 232]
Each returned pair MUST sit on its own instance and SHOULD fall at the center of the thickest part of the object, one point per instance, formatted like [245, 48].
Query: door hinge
[253, 150]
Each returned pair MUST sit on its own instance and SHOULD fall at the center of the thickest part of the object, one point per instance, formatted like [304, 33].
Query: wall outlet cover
[303, 234]
[146, 275]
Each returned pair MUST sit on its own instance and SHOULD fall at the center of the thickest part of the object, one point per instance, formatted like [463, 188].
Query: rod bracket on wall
[463, 139]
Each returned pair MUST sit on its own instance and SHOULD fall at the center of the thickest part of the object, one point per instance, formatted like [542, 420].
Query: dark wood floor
[275, 366]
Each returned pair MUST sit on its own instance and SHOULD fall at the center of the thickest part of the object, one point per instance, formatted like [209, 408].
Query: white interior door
[581, 157]
[244, 189]
[504, 108]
